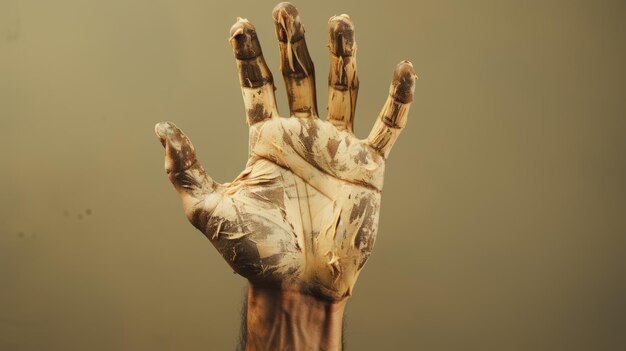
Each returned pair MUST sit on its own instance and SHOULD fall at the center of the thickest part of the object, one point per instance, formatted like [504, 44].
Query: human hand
[303, 215]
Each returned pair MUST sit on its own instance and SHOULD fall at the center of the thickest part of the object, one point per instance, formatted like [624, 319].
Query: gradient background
[504, 210]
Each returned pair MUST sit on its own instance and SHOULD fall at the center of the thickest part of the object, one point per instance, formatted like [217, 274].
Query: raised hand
[303, 215]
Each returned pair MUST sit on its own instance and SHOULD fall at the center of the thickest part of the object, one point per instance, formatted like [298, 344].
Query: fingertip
[240, 26]
[341, 30]
[160, 129]
[341, 22]
[244, 40]
[405, 67]
[403, 82]
[286, 8]
[167, 132]
[287, 21]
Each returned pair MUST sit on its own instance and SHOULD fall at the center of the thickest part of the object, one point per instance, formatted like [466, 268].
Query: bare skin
[301, 219]
[280, 319]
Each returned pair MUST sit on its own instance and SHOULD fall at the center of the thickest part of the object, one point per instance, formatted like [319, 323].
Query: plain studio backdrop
[503, 214]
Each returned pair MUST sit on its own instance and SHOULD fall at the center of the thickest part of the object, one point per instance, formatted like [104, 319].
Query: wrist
[283, 319]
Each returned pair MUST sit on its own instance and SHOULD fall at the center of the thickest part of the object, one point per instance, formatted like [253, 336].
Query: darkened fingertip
[405, 67]
[287, 7]
[287, 21]
[341, 30]
[244, 40]
[403, 82]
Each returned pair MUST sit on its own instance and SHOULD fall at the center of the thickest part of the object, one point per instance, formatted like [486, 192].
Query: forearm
[290, 320]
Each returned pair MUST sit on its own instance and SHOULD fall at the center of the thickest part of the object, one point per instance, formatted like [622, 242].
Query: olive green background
[503, 217]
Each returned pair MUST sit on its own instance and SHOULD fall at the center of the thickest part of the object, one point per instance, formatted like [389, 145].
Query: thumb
[181, 165]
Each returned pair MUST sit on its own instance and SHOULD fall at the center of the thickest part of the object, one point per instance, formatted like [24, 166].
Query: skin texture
[288, 320]
[300, 221]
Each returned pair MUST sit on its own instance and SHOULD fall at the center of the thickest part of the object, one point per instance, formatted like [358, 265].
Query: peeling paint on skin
[257, 82]
[343, 82]
[393, 117]
[295, 62]
[304, 212]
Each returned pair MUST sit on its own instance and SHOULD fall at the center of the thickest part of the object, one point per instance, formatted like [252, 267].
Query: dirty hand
[303, 215]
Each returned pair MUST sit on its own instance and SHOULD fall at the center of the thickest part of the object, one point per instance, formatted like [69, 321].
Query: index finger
[257, 83]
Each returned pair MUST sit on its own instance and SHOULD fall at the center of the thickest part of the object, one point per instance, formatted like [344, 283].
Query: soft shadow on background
[503, 217]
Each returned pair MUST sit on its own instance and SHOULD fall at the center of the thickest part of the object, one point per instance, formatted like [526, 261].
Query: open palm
[304, 212]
